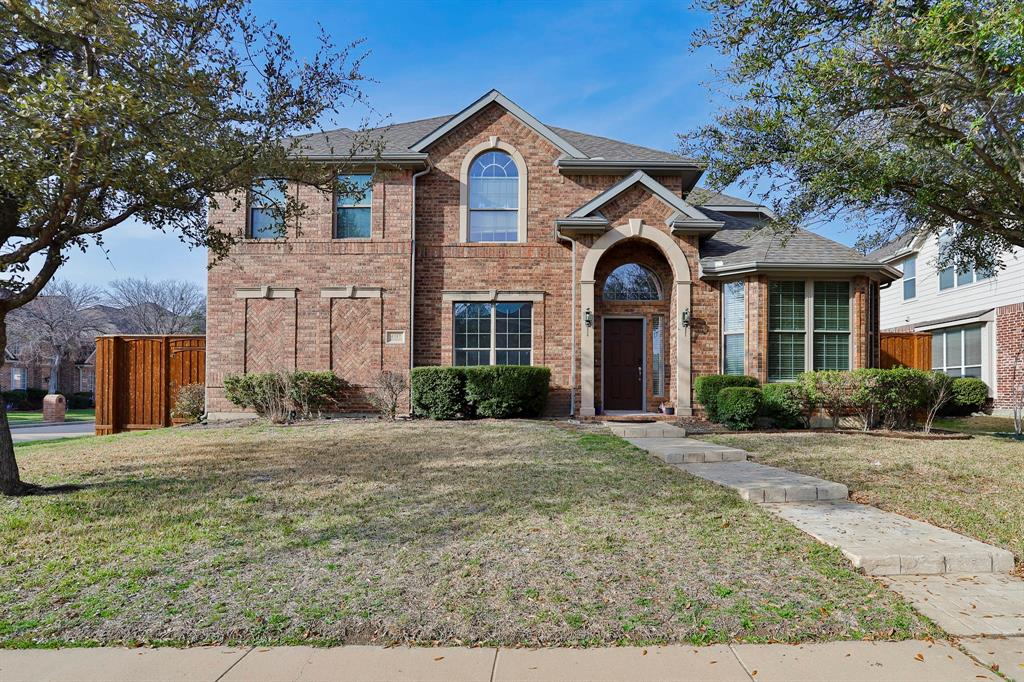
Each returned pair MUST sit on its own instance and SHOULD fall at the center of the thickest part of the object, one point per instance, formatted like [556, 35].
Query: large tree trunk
[10, 477]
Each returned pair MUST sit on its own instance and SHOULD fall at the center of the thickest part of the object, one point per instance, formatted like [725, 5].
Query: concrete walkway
[911, 661]
[53, 430]
[960, 583]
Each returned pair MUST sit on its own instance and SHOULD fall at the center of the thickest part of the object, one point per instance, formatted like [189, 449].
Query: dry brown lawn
[489, 532]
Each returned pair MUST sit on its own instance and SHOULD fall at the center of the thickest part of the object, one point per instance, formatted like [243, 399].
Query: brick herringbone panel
[356, 339]
[270, 335]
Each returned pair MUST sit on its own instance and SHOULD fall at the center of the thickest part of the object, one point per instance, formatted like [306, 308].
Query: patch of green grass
[498, 533]
[974, 487]
[24, 417]
[983, 424]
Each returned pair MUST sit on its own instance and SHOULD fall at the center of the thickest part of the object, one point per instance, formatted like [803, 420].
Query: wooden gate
[907, 349]
[137, 378]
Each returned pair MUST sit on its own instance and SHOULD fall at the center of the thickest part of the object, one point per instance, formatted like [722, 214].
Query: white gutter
[412, 275]
[572, 366]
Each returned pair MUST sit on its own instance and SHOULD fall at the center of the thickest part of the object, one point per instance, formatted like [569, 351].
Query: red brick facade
[1009, 344]
[269, 307]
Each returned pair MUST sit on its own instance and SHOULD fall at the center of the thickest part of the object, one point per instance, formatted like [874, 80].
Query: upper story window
[910, 278]
[631, 282]
[352, 207]
[266, 209]
[493, 198]
[948, 278]
[733, 327]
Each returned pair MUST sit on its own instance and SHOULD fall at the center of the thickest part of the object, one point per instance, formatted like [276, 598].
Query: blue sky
[620, 69]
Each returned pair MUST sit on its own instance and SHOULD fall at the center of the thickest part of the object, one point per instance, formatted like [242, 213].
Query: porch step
[883, 543]
[759, 483]
[687, 451]
[646, 430]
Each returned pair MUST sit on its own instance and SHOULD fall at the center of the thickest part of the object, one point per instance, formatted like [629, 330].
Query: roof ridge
[612, 139]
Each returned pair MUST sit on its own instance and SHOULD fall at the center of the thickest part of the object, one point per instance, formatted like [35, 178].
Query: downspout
[412, 274]
[572, 367]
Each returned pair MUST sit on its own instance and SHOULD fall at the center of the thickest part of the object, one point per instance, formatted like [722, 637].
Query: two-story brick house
[976, 318]
[488, 237]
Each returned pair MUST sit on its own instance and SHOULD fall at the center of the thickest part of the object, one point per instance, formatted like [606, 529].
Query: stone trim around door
[680, 269]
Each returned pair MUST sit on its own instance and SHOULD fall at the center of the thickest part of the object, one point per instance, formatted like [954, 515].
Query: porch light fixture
[588, 318]
[685, 319]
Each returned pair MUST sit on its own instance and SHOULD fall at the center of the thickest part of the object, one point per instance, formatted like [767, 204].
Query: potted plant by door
[667, 408]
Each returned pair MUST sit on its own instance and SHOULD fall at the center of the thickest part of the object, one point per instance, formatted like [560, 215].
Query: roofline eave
[886, 272]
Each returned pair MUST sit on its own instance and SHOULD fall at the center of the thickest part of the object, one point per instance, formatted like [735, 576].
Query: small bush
[314, 393]
[278, 396]
[439, 392]
[190, 402]
[938, 391]
[706, 389]
[506, 391]
[81, 401]
[738, 406]
[969, 394]
[27, 399]
[835, 391]
[786, 405]
[898, 394]
[387, 392]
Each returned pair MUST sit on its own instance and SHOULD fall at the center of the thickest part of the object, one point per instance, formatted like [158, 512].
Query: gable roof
[717, 201]
[902, 245]
[744, 246]
[685, 217]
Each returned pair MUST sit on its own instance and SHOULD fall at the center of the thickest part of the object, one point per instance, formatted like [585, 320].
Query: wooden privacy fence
[907, 349]
[137, 378]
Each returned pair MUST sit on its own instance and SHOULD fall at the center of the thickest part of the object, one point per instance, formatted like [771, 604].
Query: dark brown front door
[623, 364]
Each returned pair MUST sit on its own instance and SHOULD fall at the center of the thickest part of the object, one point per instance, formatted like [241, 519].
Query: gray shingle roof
[891, 248]
[705, 197]
[741, 242]
[399, 137]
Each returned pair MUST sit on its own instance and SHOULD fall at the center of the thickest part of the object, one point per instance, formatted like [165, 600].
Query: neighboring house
[488, 237]
[976, 319]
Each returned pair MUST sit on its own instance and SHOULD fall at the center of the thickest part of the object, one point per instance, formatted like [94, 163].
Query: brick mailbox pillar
[54, 408]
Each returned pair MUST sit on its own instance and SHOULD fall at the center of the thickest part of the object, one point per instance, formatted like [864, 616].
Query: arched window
[493, 198]
[631, 282]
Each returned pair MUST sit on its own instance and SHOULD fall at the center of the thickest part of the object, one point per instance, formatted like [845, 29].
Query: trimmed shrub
[969, 394]
[786, 405]
[833, 390]
[190, 402]
[738, 406]
[81, 401]
[314, 393]
[439, 392]
[28, 399]
[278, 396]
[897, 393]
[707, 387]
[504, 391]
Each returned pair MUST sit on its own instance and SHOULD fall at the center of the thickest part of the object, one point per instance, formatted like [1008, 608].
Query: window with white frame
[266, 209]
[733, 327]
[831, 325]
[950, 278]
[352, 207]
[493, 334]
[910, 278]
[658, 354]
[493, 198]
[957, 351]
[19, 378]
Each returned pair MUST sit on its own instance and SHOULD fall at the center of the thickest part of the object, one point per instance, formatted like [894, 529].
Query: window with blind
[658, 354]
[957, 351]
[733, 327]
[787, 332]
[831, 325]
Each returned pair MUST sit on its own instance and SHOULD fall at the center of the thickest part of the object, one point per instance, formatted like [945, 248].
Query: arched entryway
[624, 323]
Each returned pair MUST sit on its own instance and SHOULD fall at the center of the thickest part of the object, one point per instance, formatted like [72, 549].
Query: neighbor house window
[910, 278]
[950, 278]
[352, 207]
[787, 330]
[658, 354]
[957, 351]
[266, 209]
[631, 282]
[733, 326]
[831, 325]
[19, 378]
[493, 333]
[493, 198]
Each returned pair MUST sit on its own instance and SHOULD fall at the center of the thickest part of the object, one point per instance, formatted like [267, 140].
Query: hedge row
[32, 399]
[499, 391]
[892, 398]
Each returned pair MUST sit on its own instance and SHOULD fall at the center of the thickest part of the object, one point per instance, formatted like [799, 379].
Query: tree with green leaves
[898, 115]
[155, 110]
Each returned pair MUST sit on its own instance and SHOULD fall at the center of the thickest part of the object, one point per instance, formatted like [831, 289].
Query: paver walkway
[912, 661]
[957, 581]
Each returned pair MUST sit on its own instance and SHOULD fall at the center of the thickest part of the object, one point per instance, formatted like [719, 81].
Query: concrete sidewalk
[49, 431]
[833, 661]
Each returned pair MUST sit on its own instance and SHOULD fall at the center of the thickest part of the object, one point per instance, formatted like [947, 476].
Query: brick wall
[1009, 342]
